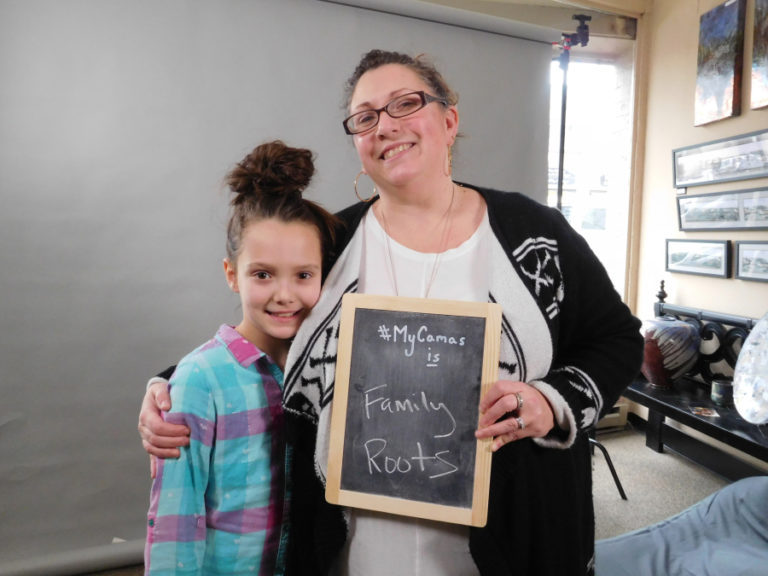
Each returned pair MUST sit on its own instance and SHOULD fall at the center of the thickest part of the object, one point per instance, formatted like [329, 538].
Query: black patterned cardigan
[565, 331]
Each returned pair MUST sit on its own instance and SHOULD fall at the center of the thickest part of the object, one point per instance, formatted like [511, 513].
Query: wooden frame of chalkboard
[410, 373]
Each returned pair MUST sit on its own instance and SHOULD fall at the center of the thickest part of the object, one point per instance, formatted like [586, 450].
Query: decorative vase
[750, 378]
[671, 349]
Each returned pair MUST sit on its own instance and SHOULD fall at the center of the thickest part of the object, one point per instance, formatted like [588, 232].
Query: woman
[569, 346]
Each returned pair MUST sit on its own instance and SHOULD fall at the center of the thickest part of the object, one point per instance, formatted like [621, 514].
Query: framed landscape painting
[702, 257]
[736, 210]
[759, 97]
[752, 261]
[720, 59]
[734, 158]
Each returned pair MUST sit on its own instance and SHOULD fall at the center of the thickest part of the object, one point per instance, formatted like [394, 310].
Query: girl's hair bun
[272, 169]
[268, 183]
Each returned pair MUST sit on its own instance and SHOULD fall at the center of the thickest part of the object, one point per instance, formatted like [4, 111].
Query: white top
[461, 273]
[383, 544]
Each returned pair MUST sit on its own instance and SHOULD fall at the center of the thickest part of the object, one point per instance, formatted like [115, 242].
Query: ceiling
[610, 36]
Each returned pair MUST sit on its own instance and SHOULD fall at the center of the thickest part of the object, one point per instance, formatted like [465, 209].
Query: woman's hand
[513, 410]
[159, 438]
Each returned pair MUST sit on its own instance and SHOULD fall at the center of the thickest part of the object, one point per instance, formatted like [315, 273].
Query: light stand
[580, 37]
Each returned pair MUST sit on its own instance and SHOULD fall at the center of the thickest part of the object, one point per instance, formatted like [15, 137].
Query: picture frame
[720, 62]
[752, 260]
[727, 159]
[733, 210]
[759, 94]
[700, 257]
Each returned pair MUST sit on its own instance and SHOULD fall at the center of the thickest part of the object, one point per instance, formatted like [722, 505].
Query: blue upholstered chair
[725, 534]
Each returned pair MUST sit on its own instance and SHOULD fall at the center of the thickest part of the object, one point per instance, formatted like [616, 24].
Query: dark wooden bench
[722, 337]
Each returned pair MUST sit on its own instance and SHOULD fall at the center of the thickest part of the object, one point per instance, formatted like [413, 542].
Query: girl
[222, 507]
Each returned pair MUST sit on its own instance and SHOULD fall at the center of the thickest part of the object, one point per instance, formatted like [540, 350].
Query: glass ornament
[750, 378]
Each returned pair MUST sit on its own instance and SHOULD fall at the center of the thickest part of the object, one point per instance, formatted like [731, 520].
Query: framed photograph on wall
[702, 257]
[736, 210]
[759, 96]
[724, 160]
[720, 59]
[752, 260]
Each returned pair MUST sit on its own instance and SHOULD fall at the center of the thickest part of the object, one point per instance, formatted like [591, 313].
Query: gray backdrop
[118, 120]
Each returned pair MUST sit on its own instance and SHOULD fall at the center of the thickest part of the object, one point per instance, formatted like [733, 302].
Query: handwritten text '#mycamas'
[398, 334]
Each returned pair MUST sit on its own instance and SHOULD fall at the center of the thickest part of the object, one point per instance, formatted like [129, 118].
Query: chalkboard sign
[409, 376]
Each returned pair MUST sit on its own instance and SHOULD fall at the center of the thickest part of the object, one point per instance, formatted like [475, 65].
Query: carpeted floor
[657, 486]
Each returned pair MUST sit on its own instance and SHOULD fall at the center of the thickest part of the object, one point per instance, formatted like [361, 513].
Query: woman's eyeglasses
[397, 108]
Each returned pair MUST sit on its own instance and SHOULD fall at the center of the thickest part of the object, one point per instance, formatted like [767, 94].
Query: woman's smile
[394, 150]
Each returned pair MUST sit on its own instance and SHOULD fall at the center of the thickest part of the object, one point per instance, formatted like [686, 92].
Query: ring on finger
[519, 401]
[520, 423]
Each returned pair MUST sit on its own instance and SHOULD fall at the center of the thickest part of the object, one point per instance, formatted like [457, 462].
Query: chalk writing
[388, 464]
[401, 334]
[413, 405]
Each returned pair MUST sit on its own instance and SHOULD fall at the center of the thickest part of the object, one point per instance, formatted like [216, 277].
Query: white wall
[674, 38]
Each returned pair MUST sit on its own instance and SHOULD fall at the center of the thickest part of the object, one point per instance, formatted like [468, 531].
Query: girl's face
[399, 151]
[277, 275]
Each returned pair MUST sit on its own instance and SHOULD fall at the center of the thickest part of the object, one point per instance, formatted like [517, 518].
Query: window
[597, 154]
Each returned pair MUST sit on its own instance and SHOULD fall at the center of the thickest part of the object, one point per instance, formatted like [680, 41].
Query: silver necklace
[448, 220]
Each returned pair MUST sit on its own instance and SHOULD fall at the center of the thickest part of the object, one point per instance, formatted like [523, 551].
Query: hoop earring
[371, 197]
[449, 170]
